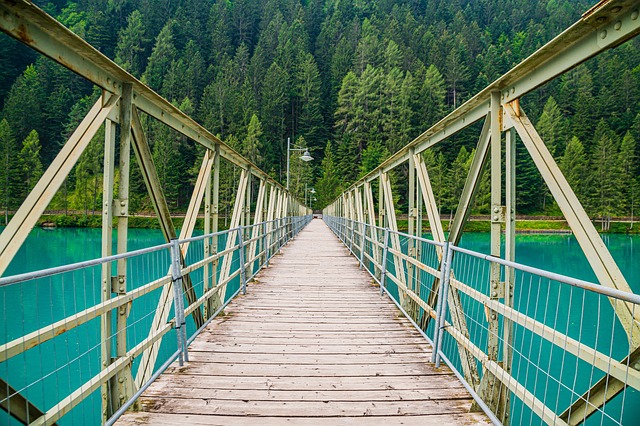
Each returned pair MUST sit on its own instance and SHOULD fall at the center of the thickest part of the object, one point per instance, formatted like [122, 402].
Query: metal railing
[51, 346]
[561, 348]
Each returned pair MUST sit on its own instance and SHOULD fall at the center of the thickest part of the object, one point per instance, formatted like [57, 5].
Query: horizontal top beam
[606, 25]
[29, 24]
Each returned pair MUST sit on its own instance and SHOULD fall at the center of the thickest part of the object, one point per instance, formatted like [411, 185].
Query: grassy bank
[95, 221]
[532, 226]
[146, 222]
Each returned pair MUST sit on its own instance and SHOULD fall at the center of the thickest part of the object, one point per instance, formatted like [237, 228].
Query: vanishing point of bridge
[270, 321]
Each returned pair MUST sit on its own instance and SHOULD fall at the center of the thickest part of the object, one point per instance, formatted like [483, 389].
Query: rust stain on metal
[23, 35]
[595, 8]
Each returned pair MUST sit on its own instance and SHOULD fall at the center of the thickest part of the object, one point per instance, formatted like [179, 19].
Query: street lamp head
[313, 191]
[306, 156]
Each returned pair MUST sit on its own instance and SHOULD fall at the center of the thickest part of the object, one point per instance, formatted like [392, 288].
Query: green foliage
[131, 42]
[328, 185]
[252, 144]
[606, 172]
[8, 174]
[574, 166]
[367, 76]
[30, 166]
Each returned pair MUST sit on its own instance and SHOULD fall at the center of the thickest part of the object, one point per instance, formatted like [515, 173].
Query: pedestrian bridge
[310, 342]
[284, 319]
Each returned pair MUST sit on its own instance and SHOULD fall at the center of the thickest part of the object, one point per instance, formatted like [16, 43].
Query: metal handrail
[604, 362]
[282, 230]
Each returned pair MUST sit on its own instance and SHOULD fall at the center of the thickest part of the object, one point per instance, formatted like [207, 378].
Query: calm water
[47, 248]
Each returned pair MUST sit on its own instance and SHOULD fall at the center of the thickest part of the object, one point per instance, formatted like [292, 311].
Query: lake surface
[22, 307]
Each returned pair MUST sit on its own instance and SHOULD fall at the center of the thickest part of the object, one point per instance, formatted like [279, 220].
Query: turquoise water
[544, 369]
[27, 307]
[52, 370]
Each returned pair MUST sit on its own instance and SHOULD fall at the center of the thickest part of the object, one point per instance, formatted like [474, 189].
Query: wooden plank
[441, 381]
[320, 339]
[287, 370]
[300, 409]
[161, 419]
[307, 349]
[386, 358]
[212, 394]
[312, 340]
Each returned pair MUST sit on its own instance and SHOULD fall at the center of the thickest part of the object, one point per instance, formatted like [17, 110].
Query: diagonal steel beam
[150, 177]
[235, 222]
[596, 251]
[430, 202]
[39, 198]
[471, 184]
[17, 406]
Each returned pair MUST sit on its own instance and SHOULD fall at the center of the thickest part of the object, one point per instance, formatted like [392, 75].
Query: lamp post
[305, 157]
[310, 191]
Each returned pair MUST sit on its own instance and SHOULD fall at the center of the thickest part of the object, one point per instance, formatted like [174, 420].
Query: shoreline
[524, 225]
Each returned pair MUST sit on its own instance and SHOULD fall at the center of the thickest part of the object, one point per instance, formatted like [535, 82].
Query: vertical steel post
[247, 222]
[178, 301]
[243, 273]
[385, 251]
[107, 250]
[362, 240]
[436, 328]
[412, 307]
[124, 379]
[353, 235]
[207, 241]
[265, 247]
[214, 300]
[444, 293]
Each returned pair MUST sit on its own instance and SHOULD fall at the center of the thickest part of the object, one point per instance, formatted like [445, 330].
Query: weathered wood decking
[312, 342]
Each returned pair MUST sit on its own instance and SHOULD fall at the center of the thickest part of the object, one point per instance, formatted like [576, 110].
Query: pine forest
[352, 80]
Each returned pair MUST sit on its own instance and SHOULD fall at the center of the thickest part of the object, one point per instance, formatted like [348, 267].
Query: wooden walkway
[312, 342]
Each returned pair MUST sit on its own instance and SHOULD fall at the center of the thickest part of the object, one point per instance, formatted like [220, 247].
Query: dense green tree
[252, 144]
[628, 175]
[551, 127]
[162, 56]
[606, 172]
[30, 166]
[328, 185]
[574, 166]
[371, 76]
[433, 93]
[131, 40]
[457, 177]
[374, 154]
[23, 106]
[308, 88]
[8, 176]
[166, 157]
[436, 167]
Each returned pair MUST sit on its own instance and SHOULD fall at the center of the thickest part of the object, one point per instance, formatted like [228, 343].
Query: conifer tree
[8, 151]
[433, 93]
[23, 105]
[328, 185]
[628, 175]
[252, 144]
[606, 172]
[310, 122]
[29, 162]
[551, 127]
[131, 42]
[573, 165]
[162, 56]
[457, 177]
